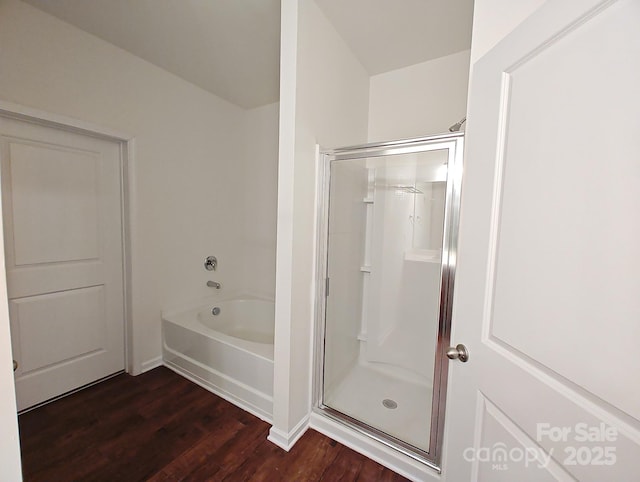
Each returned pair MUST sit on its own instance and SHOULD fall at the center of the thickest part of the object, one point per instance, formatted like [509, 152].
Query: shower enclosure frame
[454, 143]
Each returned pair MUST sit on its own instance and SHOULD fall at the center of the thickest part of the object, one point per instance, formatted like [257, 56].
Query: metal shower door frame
[454, 143]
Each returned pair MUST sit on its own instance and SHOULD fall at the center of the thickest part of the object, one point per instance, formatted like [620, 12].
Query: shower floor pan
[395, 406]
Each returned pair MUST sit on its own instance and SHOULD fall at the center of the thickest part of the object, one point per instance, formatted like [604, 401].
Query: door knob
[458, 352]
[15, 365]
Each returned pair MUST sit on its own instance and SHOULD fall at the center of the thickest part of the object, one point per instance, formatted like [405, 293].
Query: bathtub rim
[188, 318]
[212, 300]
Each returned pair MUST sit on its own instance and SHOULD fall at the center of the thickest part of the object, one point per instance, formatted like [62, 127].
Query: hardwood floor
[160, 427]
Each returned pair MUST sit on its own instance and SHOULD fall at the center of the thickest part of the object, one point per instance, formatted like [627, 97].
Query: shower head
[456, 127]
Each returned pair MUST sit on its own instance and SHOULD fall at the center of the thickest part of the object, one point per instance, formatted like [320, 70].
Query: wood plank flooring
[160, 427]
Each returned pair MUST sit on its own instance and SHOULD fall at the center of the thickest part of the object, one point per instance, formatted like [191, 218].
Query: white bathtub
[230, 354]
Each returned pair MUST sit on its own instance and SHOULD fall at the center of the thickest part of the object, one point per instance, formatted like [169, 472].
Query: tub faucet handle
[214, 284]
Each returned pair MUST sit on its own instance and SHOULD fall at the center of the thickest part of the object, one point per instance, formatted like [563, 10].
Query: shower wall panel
[346, 241]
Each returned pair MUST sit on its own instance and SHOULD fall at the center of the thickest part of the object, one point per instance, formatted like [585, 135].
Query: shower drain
[388, 403]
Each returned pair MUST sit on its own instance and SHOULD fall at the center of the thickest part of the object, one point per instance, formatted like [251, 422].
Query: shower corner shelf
[423, 255]
[367, 200]
[365, 269]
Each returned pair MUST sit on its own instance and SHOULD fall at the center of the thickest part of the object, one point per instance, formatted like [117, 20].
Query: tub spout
[214, 284]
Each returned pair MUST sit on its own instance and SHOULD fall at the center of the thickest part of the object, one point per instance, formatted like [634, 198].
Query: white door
[548, 284]
[61, 199]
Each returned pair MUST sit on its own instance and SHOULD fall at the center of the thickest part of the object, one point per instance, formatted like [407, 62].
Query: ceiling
[228, 47]
[232, 47]
[391, 34]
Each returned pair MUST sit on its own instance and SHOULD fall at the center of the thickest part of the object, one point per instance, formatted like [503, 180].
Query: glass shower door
[388, 243]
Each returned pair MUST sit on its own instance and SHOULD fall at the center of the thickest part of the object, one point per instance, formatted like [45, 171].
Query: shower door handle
[458, 352]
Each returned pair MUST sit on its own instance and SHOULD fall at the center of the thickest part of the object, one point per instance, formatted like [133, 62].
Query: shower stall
[387, 239]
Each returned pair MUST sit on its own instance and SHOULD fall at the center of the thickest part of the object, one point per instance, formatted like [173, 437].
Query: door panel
[565, 189]
[548, 272]
[504, 437]
[46, 181]
[73, 318]
[61, 198]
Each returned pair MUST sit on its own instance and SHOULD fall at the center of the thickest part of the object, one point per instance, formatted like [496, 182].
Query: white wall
[188, 160]
[257, 189]
[324, 95]
[419, 100]
[494, 19]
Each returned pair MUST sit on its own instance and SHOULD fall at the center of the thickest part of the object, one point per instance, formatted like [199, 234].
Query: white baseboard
[151, 364]
[394, 460]
[286, 440]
